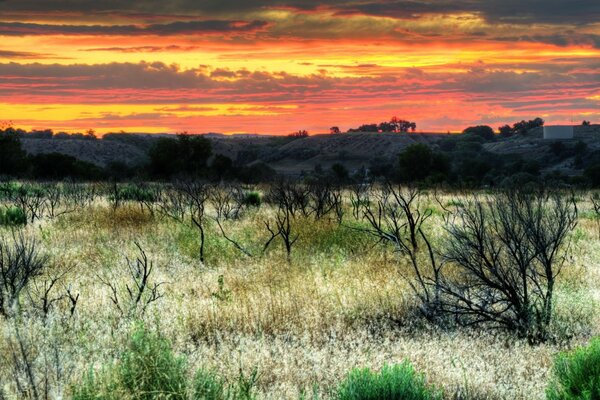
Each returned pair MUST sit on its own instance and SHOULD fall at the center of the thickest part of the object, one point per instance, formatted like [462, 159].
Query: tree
[221, 166]
[299, 134]
[401, 125]
[415, 162]
[334, 130]
[195, 151]
[91, 134]
[482, 131]
[12, 155]
[586, 123]
[340, 172]
[521, 127]
[505, 130]
[185, 154]
[164, 157]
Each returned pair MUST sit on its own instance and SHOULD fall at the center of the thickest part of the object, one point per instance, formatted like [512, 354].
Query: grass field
[341, 301]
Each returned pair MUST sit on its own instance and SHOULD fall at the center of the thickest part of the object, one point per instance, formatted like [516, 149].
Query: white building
[558, 132]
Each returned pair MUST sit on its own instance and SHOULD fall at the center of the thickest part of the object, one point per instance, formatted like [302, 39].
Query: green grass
[576, 374]
[12, 216]
[392, 382]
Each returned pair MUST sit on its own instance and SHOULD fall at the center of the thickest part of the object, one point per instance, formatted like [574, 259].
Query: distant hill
[291, 156]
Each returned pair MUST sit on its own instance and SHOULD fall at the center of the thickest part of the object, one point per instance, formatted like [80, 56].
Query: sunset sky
[262, 66]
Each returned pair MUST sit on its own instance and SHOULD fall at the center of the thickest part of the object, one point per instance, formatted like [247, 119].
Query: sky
[274, 67]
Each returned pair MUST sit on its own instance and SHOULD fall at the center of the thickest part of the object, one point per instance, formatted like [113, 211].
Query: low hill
[291, 156]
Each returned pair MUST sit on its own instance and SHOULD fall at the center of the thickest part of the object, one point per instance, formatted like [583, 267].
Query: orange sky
[274, 67]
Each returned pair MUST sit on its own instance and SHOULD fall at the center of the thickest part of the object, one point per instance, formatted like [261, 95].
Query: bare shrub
[134, 297]
[359, 196]
[507, 250]
[186, 202]
[396, 215]
[20, 262]
[293, 197]
[595, 199]
[228, 201]
[282, 227]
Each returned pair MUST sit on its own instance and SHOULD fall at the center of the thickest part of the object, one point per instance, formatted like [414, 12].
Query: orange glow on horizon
[279, 69]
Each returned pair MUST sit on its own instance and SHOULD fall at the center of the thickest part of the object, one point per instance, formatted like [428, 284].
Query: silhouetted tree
[400, 125]
[482, 131]
[334, 130]
[521, 127]
[299, 134]
[340, 172]
[185, 155]
[221, 166]
[12, 155]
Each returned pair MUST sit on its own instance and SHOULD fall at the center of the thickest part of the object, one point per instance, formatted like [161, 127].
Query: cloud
[169, 84]
[24, 54]
[173, 28]
[145, 49]
[514, 11]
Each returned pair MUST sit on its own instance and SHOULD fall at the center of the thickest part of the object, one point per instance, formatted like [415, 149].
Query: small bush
[134, 193]
[147, 370]
[12, 216]
[252, 199]
[393, 382]
[208, 386]
[576, 374]
[150, 370]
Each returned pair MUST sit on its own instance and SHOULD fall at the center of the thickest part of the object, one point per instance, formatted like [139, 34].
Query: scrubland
[341, 300]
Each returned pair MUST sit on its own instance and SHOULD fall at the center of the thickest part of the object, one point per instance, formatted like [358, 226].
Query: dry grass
[340, 304]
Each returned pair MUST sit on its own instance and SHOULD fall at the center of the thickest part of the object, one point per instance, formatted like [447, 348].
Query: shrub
[20, 263]
[252, 199]
[147, 369]
[576, 374]
[398, 381]
[134, 193]
[208, 386]
[150, 370]
[12, 216]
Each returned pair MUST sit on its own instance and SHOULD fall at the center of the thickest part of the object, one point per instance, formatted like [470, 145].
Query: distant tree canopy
[56, 166]
[299, 134]
[519, 128]
[483, 131]
[394, 125]
[418, 162]
[340, 172]
[185, 154]
[334, 130]
[13, 159]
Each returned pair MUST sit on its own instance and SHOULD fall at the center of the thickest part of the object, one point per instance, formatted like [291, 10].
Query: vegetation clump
[252, 199]
[576, 374]
[399, 381]
[12, 216]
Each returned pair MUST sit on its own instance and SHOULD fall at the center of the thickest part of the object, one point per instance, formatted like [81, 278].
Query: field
[340, 299]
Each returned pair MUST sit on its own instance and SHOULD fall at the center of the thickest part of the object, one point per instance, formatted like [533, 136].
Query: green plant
[12, 216]
[134, 193]
[576, 374]
[245, 386]
[399, 381]
[208, 386]
[150, 370]
[252, 199]
[147, 370]
[222, 294]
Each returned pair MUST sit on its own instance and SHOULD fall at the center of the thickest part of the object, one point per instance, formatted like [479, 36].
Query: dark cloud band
[174, 28]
